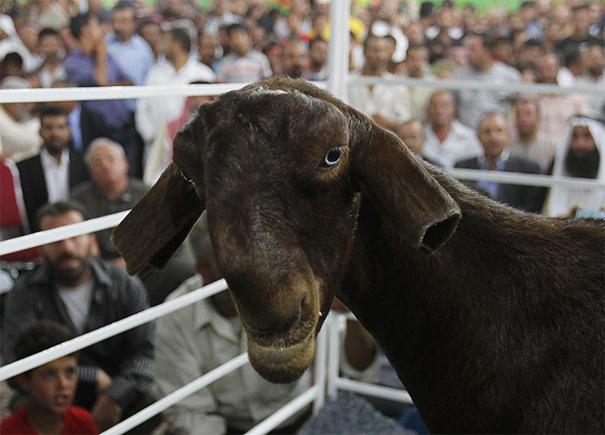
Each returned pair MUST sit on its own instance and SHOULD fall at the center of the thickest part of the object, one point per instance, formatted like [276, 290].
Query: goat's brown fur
[499, 329]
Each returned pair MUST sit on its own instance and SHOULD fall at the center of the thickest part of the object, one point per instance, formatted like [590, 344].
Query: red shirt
[76, 421]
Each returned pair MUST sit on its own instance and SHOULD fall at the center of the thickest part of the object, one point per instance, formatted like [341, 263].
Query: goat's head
[280, 167]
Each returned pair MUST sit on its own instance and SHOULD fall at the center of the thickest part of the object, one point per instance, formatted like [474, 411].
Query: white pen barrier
[326, 375]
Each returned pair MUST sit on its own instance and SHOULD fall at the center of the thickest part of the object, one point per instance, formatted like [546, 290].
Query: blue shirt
[134, 57]
[491, 187]
[80, 70]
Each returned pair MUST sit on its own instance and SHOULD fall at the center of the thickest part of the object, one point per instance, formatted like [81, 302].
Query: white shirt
[153, 113]
[77, 301]
[460, 144]
[20, 140]
[56, 175]
[392, 102]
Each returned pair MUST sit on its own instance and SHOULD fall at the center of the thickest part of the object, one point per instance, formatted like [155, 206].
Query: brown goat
[494, 319]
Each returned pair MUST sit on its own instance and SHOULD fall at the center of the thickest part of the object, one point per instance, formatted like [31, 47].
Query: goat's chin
[281, 365]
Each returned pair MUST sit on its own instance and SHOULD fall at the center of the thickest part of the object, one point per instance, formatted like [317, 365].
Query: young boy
[50, 388]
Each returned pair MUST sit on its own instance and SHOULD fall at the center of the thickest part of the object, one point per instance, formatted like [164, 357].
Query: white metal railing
[455, 85]
[66, 348]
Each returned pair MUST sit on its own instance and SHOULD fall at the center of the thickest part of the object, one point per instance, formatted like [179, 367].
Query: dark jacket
[33, 182]
[527, 198]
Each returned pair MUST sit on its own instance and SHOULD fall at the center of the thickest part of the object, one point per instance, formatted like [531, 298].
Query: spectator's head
[441, 110]
[479, 51]
[547, 69]
[377, 53]
[493, 134]
[417, 60]
[12, 65]
[527, 118]
[503, 49]
[86, 29]
[123, 20]
[239, 39]
[107, 166]
[54, 129]
[28, 33]
[573, 61]
[67, 259]
[583, 158]
[295, 58]
[176, 44]
[318, 53]
[581, 19]
[50, 44]
[151, 32]
[207, 46]
[415, 34]
[530, 52]
[274, 52]
[20, 112]
[412, 134]
[50, 387]
[594, 60]
[528, 11]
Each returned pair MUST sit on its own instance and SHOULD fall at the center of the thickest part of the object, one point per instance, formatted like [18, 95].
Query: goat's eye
[332, 157]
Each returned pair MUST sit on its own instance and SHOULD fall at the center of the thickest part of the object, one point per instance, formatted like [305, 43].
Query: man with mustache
[75, 289]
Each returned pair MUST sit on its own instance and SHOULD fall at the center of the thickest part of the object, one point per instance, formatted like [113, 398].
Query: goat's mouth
[283, 356]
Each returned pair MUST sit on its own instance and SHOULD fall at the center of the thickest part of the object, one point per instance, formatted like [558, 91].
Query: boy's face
[52, 386]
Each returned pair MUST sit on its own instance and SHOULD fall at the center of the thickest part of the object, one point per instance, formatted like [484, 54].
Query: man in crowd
[482, 68]
[494, 136]
[388, 106]
[417, 66]
[243, 63]
[318, 60]
[447, 139]
[52, 50]
[90, 64]
[180, 68]
[295, 59]
[131, 52]
[581, 156]
[528, 141]
[50, 175]
[111, 191]
[555, 109]
[75, 289]
[412, 134]
[594, 63]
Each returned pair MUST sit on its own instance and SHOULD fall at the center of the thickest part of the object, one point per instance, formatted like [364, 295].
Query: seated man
[494, 135]
[84, 293]
[111, 191]
[202, 336]
[50, 388]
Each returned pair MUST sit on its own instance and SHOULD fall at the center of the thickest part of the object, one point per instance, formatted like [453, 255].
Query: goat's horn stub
[404, 191]
[159, 223]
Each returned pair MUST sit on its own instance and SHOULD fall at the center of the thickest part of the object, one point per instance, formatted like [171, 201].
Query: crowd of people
[62, 163]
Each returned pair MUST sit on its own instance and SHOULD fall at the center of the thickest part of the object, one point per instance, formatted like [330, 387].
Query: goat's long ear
[158, 224]
[402, 190]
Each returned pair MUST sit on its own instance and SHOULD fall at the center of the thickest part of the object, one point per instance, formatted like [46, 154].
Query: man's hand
[103, 381]
[106, 412]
